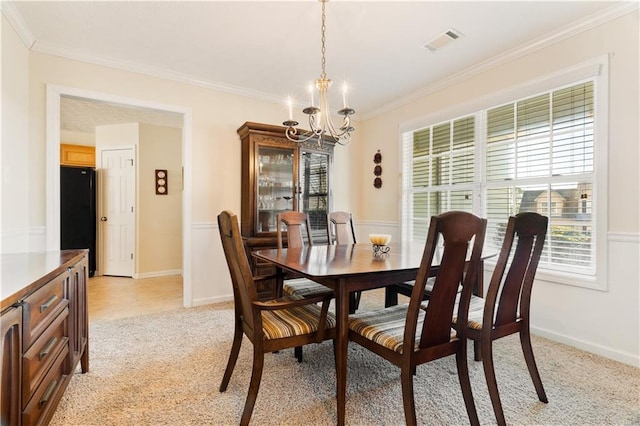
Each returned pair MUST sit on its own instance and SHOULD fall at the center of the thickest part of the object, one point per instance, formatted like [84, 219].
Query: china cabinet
[280, 175]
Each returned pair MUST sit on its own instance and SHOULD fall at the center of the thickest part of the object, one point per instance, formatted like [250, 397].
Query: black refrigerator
[78, 211]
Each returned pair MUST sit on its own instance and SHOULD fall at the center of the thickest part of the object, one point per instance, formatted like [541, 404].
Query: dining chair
[411, 334]
[340, 230]
[295, 223]
[505, 310]
[270, 325]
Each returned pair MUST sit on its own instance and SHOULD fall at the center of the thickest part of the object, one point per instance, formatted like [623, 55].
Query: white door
[117, 181]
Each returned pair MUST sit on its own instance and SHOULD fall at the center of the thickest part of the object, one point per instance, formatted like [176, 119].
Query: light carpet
[165, 369]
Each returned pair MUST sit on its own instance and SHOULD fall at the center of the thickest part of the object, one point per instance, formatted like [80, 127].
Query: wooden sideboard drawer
[41, 355]
[47, 395]
[45, 331]
[41, 307]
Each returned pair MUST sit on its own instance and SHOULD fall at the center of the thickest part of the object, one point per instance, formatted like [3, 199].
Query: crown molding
[17, 22]
[577, 27]
[162, 73]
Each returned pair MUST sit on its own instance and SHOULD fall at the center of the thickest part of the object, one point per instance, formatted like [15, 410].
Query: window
[536, 153]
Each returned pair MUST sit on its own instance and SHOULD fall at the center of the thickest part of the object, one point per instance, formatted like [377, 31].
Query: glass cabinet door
[314, 192]
[275, 180]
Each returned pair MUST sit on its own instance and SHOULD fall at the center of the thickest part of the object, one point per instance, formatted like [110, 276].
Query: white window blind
[534, 154]
[441, 175]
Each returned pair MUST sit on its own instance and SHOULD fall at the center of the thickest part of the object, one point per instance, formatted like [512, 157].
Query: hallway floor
[120, 297]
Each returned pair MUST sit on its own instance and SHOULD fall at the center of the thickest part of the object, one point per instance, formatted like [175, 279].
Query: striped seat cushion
[384, 326]
[303, 287]
[293, 321]
[476, 312]
[428, 287]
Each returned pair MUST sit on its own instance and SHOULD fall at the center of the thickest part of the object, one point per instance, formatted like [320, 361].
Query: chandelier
[320, 121]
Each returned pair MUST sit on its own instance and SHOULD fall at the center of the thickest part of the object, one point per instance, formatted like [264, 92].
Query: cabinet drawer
[41, 307]
[47, 395]
[41, 355]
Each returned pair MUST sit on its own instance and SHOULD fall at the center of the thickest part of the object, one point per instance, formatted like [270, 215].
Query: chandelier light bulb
[311, 94]
[345, 104]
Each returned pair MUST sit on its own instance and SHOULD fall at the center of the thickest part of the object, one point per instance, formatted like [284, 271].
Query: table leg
[342, 341]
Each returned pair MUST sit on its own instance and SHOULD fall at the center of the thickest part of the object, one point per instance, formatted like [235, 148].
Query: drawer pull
[47, 349]
[48, 303]
[47, 394]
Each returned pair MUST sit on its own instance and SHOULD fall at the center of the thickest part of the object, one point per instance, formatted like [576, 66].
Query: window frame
[597, 70]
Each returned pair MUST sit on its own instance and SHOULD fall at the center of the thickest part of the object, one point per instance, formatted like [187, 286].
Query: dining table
[347, 268]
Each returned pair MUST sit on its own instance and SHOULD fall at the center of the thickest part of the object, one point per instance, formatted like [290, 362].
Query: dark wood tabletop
[325, 264]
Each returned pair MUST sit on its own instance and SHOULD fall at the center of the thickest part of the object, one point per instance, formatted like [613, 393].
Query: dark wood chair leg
[527, 350]
[233, 356]
[492, 384]
[390, 297]
[297, 351]
[254, 386]
[406, 377]
[465, 385]
[354, 301]
[477, 351]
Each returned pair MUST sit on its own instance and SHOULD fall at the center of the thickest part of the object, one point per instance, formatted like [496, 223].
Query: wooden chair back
[244, 290]
[342, 225]
[512, 294]
[514, 289]
[463, 237]
[295, 222]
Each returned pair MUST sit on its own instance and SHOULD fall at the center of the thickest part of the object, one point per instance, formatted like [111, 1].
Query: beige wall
[116, 135]
[159, 230]
[577, 316]
[15, 224]
[77, 138]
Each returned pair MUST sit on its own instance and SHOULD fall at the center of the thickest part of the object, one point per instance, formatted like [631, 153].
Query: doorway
[53, 115]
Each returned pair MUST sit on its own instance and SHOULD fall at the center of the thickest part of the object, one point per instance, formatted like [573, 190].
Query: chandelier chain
[323, 29]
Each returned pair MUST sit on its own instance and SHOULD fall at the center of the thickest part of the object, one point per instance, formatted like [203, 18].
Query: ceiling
[271, 49]
[83, 115]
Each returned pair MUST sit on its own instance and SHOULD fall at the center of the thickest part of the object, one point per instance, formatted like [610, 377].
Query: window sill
[563, 278]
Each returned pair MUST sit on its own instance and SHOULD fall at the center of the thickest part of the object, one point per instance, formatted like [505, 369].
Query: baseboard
[212, 300]
[625, 358]
[158, 274]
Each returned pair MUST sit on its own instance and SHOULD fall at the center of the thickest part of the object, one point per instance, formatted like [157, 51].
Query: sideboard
[45, 331]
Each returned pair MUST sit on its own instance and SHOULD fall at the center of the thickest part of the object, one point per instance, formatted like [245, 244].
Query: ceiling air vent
[442, 40]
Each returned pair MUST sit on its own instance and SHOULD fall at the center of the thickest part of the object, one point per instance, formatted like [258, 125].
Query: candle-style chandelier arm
[320, 123]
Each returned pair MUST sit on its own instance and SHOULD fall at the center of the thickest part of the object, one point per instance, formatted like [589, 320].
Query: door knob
[103, 218]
